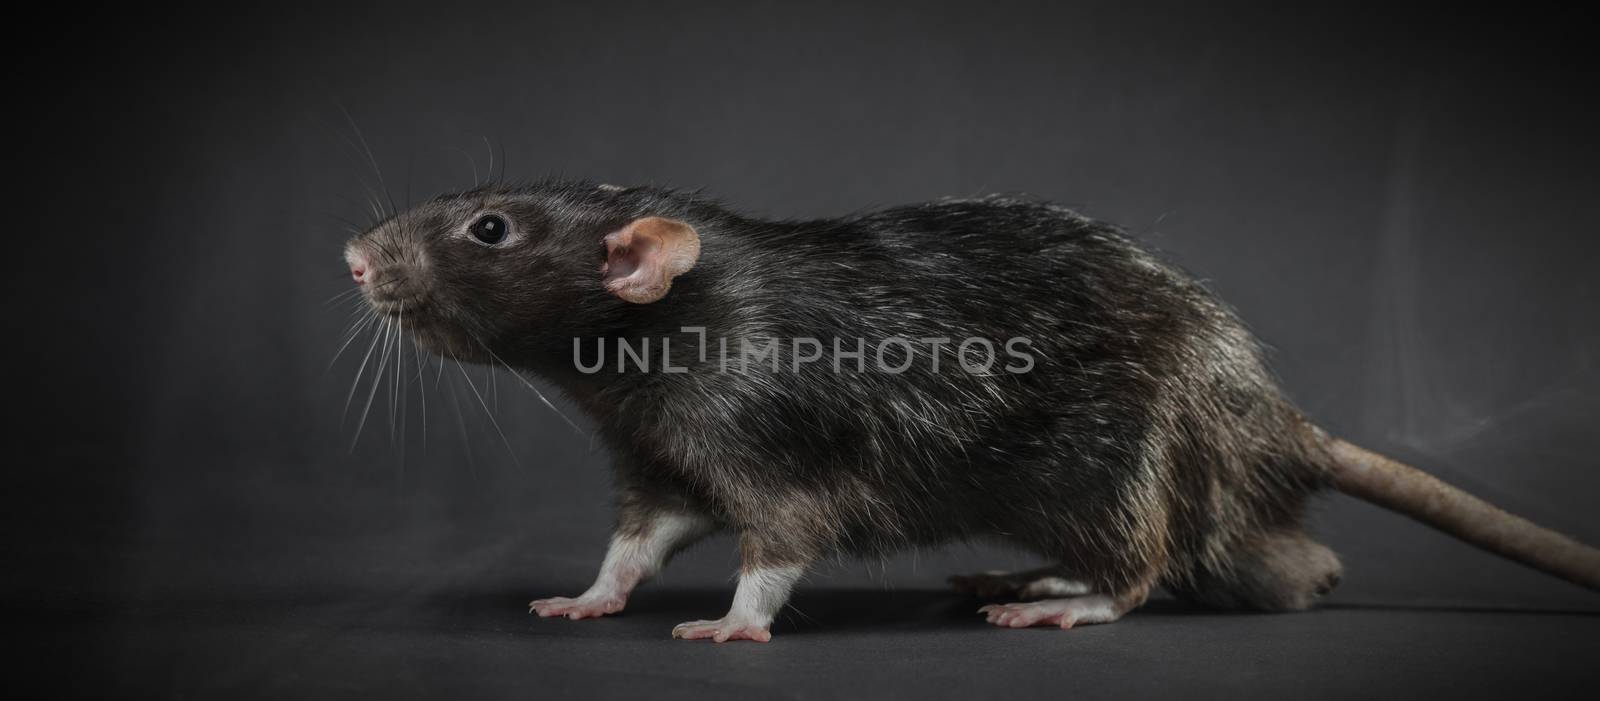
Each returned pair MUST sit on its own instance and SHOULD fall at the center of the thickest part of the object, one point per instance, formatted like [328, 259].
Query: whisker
[472, 161]
[503, 161]
[494, 387]
[355, 309]
[351, 226]
[366, 205]
[362, 157]
[402, 388]
[376, 334]
[490, 147]
[377, 379]
[486, 412]
[422, 387]
[342, 295]
[394, 384]
[373, 161]
[375, 205]
[461, 424]
[529, 385]
[354, 332]
[411, 162]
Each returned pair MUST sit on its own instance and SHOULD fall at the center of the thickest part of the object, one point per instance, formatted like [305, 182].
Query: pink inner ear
[621, 264]
[643, 257]
[627, 259]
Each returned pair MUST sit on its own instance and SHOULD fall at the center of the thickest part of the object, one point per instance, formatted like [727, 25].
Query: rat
[819, 389]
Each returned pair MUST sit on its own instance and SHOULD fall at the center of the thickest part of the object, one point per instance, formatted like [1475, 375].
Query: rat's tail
[1403, 489]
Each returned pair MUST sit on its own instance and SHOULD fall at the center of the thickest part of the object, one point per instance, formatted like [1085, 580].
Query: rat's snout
[359, 265]
[393, 281]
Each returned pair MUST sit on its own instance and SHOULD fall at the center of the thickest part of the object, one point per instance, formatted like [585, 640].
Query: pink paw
[581, 607]
[721, 630]
[1066, 613]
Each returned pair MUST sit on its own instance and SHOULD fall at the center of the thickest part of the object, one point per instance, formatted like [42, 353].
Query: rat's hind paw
[581, 607]
[1066, 613]
[721, 630]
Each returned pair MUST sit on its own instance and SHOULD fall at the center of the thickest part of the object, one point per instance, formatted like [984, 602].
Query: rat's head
[493, 270]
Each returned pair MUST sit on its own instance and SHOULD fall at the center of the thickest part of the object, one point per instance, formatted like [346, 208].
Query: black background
[1400, 201]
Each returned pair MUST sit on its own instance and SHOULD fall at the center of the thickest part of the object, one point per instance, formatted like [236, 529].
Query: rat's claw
[575, 609]
[721, 630]
[1066, 613]
[1014, 615]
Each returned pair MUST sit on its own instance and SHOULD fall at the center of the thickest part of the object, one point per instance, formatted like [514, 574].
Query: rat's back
[1143, 434]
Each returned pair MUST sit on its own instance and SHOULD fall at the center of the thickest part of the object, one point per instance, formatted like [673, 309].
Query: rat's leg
[1053, 581]
[766, 577]
[647, 536]
[1275, 571]
[1068, 612]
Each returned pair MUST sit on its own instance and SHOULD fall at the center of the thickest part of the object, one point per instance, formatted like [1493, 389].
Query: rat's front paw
[582, 607]
[722, 630]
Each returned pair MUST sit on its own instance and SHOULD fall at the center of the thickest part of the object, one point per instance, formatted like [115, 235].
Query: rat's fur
[1148, 445]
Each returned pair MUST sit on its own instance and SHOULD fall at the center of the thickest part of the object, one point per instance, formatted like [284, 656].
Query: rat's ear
[643, 257]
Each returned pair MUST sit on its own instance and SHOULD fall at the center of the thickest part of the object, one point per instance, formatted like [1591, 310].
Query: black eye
[490, 229]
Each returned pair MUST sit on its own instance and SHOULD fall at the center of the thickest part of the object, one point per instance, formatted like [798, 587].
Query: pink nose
[358, 267]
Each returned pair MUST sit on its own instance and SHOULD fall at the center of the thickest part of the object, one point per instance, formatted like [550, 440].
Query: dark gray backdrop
[1400, 202]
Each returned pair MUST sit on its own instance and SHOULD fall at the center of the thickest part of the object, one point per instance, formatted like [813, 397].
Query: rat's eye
[490, 229]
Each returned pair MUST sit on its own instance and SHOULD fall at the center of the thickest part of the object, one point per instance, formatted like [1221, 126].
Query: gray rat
[994, 368]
